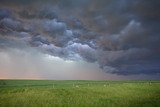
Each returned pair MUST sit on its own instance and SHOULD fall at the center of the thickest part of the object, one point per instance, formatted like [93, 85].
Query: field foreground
[51, 93]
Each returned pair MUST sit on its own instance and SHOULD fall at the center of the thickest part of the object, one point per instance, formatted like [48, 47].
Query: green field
[51, 93]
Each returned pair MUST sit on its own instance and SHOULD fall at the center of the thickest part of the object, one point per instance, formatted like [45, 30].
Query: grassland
[50, 93]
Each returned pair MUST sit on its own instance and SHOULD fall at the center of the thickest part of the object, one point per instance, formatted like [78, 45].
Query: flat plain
[79, 93]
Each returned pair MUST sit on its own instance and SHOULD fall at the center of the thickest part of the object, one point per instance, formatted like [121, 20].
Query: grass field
[50, 93]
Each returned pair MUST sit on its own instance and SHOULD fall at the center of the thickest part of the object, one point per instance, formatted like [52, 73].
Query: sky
[80, 39]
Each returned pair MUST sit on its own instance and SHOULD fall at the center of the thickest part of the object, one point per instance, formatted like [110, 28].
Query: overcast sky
[80, 39]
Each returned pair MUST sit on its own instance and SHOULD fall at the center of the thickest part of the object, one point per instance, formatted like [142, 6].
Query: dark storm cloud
[53, 26]
[46, 12]
[39, 40]
[122, 36]
[10, 24]
[4, 13]
[83, 50]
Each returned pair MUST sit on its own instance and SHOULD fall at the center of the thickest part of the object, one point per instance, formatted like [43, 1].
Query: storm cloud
[121, 36]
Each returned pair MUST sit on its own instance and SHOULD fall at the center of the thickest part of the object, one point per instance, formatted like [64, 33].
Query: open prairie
[53, 93]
